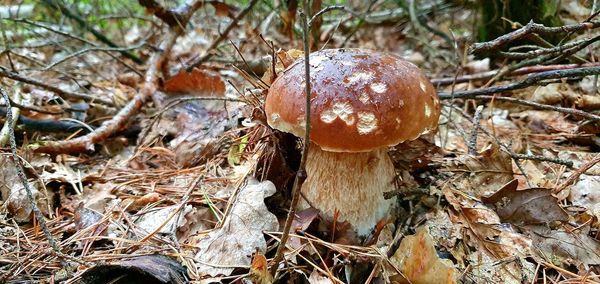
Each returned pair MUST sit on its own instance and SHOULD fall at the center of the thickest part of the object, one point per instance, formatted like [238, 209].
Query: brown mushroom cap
[361, 100]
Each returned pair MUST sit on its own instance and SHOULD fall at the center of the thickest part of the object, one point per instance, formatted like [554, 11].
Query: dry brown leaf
[241, 234]
[487, 172]
[419, 262]
[198, 83]
[528, 206]
[259, 270]
[562, 248]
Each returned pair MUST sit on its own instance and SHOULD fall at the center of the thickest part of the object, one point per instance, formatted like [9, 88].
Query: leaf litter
[482, 216]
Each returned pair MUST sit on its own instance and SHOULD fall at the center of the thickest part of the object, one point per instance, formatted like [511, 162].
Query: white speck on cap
[275, 116]
[364, 98]
[358, 76]
[422, 85]
[367, 122]
[378, 87]
[341, 110]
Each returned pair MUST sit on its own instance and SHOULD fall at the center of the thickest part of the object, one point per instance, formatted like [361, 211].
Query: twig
[329, 9]
[575, 175]
[64, 93]
[472, 143]
[530, 28]
[520, 71]
[222, 36]
[542, 159]
[119, 121]
[535, 105]
[63, 10]
[19, 168]
[530, 80]
[45, 125]
[301, 174]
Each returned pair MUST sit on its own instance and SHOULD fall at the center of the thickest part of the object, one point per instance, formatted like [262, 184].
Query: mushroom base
[351, 183]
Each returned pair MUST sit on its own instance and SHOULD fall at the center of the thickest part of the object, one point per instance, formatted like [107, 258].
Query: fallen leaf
[560, 247]
[528, 206]
[259, 272]
[486, 172]
[419, 262]
[316, 278]
[198, 83]
[241, 234]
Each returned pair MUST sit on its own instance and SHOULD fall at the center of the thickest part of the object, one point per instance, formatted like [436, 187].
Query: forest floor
[120, 165]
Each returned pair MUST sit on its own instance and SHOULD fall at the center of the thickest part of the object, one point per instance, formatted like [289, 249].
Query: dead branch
[521, 71]
[301, 174]
[529, 81]
[19, 168]
[207, 54]
[58, 6]
[119, 121]
[575, 175]
[530, 28]
[64, 93]
[46, 125]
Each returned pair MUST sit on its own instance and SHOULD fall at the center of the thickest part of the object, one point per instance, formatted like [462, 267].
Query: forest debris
[585, 192]
[197, 83]
[565, 248]
[19, 206]
[231, 245]
[148, 268]
[259, 272]
[487, 172]
[188, 221]
[528, 206]
[316, 278]
[419, 262]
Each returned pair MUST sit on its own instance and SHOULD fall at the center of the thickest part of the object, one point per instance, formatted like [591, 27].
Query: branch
[64, 93]
[46, 125]
[301, 174]
[529, 81]
[521, 71]
[119, 121]
[66, 12]
[530, 28]
[39, 217]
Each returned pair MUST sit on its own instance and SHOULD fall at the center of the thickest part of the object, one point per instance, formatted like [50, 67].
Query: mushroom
[362, 102]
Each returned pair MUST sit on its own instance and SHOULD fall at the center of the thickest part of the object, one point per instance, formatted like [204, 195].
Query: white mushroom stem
[351, 183]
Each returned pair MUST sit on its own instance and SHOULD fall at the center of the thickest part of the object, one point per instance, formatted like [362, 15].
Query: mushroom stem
[351, 183]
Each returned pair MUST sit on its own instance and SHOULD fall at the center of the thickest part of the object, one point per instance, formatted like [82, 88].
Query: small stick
[64, 93]
[575, 175]
[301, 174]
[39, 217]
[472, 144]
[529, 81]
[531, 27]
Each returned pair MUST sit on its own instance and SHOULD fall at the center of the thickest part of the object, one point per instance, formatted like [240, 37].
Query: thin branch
[521, 71]
[329, 9]
[301, 174]
[63, 93]
[222, 36]
[82, 23]
[529, 81]
[530, 28]
[27, 186]
[472, 143]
